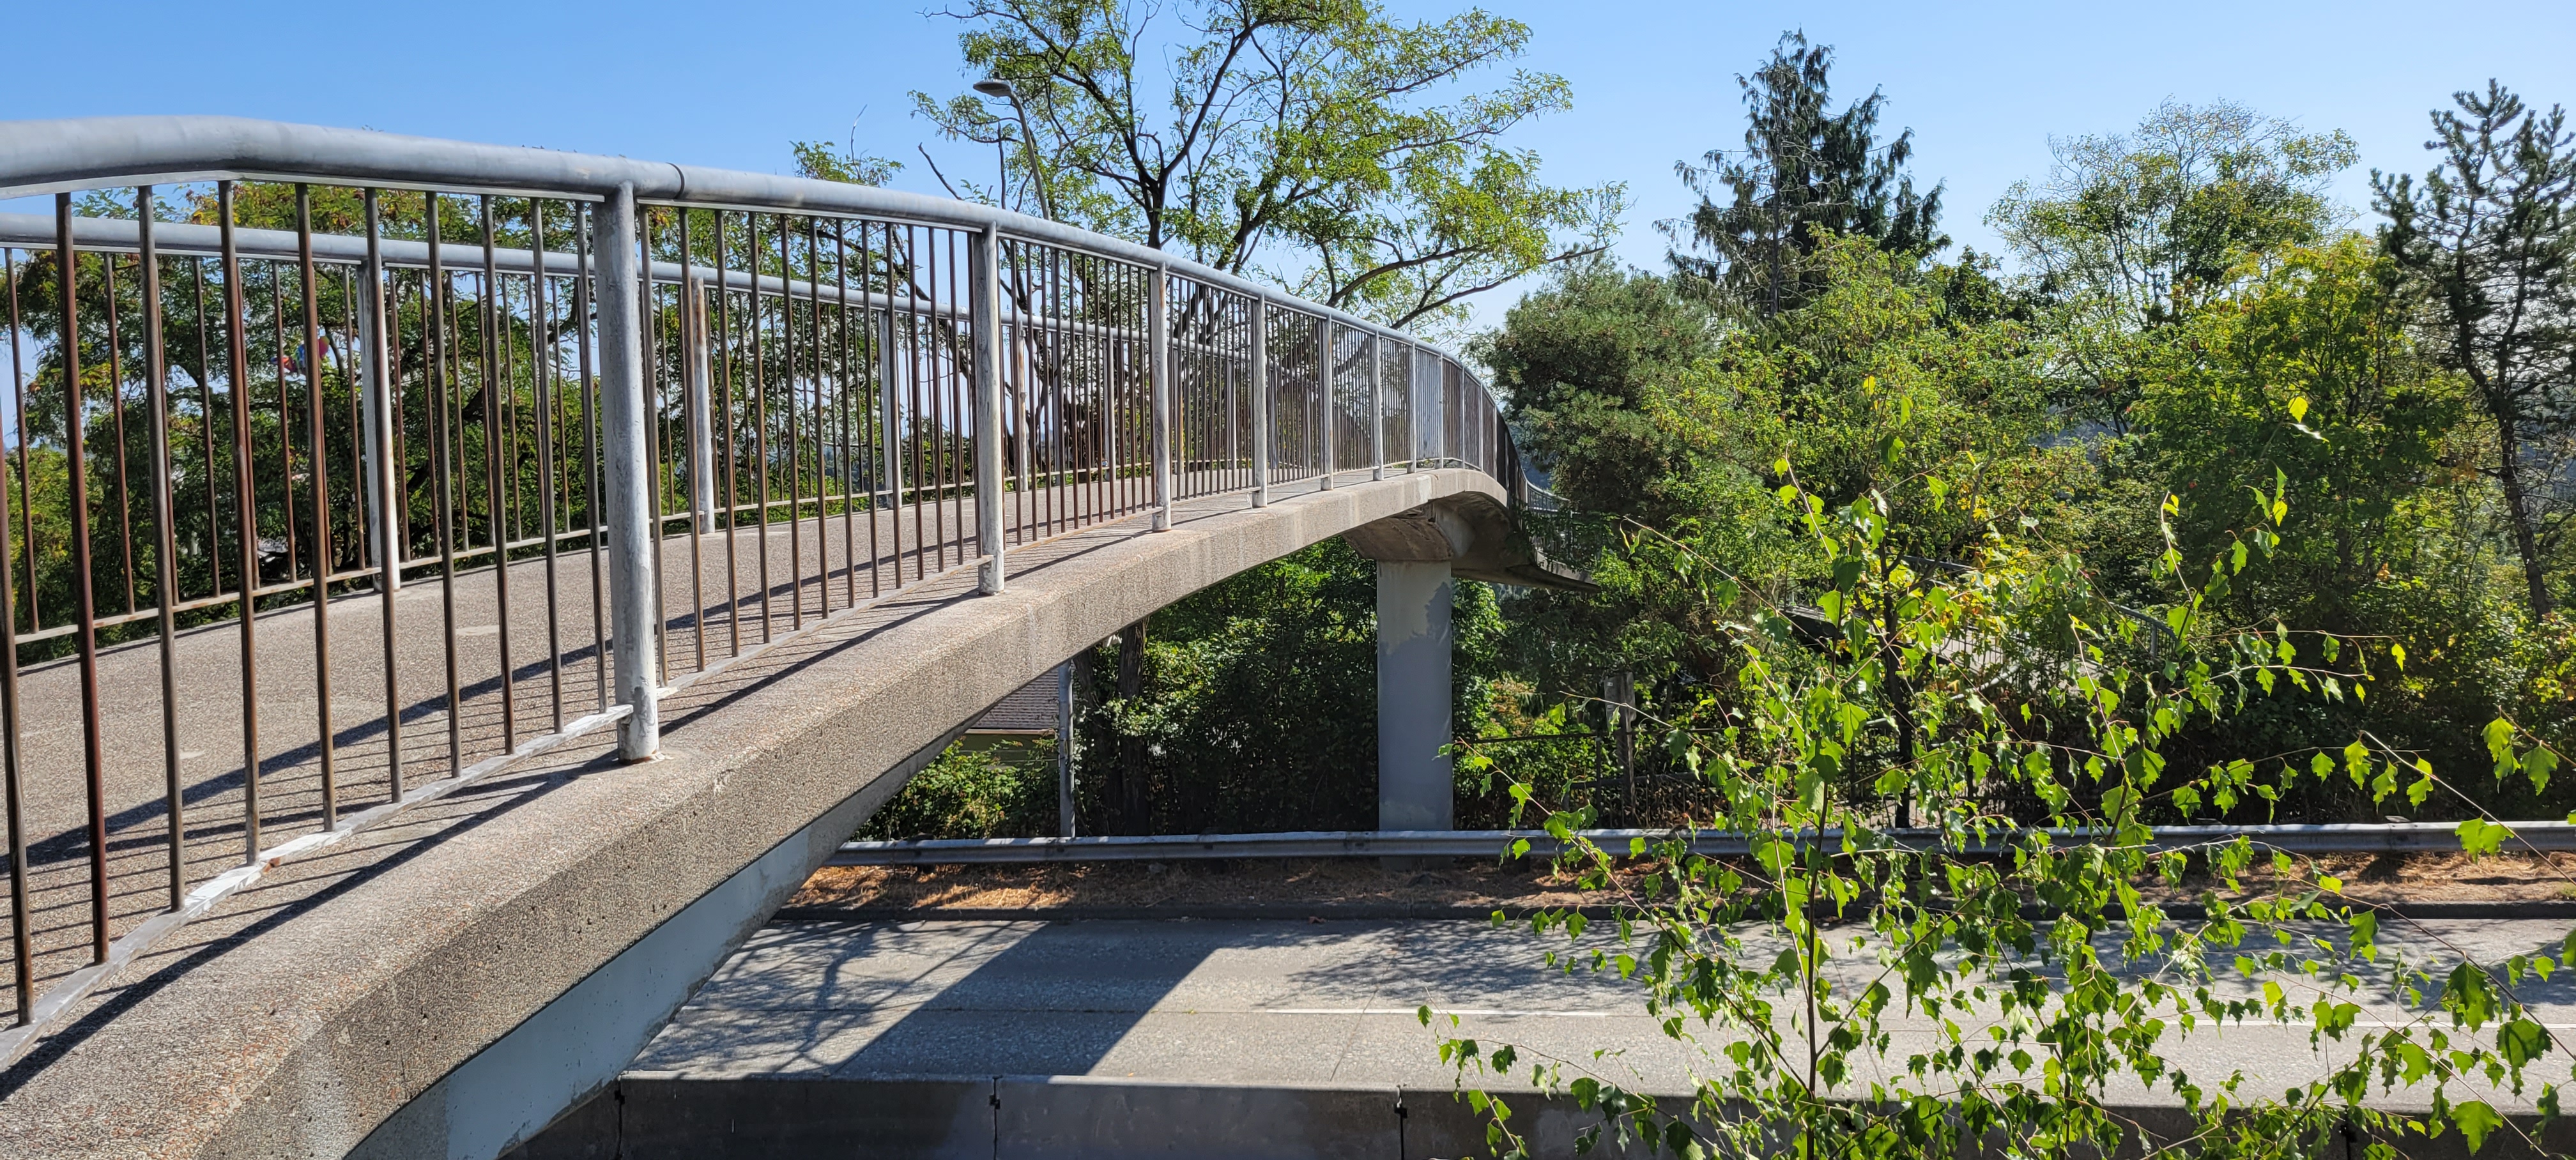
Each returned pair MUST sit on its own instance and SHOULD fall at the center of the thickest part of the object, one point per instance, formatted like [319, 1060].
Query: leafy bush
[974, 790]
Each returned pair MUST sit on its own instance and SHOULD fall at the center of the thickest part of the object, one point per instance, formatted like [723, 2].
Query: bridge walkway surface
[715, 607]
[302, 1012]
[1288, 1037]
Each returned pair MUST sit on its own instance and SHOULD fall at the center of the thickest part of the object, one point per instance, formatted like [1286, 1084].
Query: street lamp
[998, 87]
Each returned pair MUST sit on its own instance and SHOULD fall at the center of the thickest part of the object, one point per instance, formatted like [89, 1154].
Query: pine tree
[2489, 241]
[1803, 168]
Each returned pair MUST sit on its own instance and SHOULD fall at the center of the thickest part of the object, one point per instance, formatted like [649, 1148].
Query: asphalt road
[1258, 1002]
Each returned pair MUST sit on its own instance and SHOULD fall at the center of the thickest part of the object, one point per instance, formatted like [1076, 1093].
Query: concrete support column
[1414, 788]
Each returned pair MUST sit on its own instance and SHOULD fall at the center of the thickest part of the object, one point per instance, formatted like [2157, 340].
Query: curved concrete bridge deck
[447, 983]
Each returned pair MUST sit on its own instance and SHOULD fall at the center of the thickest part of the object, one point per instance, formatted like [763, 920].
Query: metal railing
[2324, 838]
[339, 469]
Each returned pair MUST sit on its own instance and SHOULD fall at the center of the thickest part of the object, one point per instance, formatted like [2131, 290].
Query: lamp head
[997, 87]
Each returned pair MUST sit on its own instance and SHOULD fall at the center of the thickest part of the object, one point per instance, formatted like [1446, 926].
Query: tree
[1576, 362]
[1804, 173]
[2487, 240]
[1985, 987]
[1301, 140]
[2133, 231]
[2307, 373]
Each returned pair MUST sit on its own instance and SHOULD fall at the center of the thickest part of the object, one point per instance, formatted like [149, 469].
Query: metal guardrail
[2394, 837]
[635, 421]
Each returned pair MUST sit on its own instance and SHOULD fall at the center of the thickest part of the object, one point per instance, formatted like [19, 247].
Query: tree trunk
[2517, 505]
[1133, 815]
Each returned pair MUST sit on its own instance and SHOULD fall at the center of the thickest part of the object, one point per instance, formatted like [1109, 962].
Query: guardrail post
[698, 367]
[632, 564]
[1158, 327]
[1377, 406]
[984, 298]
[1261, 401]
[1332, 407]
[1064, 753]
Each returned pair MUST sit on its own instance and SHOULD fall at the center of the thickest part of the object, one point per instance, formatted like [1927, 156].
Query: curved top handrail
[83, 152]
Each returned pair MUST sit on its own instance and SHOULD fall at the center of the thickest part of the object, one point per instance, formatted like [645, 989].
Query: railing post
[375, 410]
[1158, 327]
[697, 366]
[984, 298]
[1261, 401]
[1377, 406]
[1332, 406]
[627, 453]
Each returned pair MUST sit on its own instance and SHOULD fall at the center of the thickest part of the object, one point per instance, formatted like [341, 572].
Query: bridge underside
[382, 965]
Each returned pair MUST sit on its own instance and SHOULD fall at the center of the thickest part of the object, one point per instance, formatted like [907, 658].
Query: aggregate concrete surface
[306, 1010]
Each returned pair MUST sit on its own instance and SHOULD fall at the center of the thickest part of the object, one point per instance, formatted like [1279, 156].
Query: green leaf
[2474, 1120]
[2479, 836]
[2521, 1040]
[2298, 408]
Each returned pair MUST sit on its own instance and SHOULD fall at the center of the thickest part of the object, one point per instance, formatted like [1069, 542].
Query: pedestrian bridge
[455, 593]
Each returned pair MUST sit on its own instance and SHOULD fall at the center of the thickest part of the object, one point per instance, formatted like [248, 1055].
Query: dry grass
[1471, 883]
[1184, 884]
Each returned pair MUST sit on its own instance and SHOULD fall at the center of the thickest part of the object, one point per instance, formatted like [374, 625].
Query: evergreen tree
[1804, 171]
[2488, 239]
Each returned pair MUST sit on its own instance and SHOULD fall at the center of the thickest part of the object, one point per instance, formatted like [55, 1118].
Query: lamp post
[997, 87]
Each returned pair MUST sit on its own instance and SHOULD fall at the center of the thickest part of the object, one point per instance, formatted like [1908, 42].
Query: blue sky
[731, 85]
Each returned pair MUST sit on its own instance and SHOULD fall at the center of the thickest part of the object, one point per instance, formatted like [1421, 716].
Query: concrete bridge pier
[1419, 553]
[1414, 786]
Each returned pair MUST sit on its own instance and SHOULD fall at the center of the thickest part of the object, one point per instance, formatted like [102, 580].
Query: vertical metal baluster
[164, 542]
[702, 481]
[445, 460]
[1325, 403]
[1158, 334]
[583, 219]
[321, 477]
[630, 475]
[1262, 395]
[85, 605]
[841, 328]
[542, 393]
[760, 417]
[822, 460]
[958, 467]
[915, 245]
[285, 422]
[724, 407]
[795, 452]
[376, 342]
[18, 393]
[116, 418]
[887, 452]
[1377, 406]
[22, 951]
[245, 517]
[495, 518]
[204, 374]
[1060, 400]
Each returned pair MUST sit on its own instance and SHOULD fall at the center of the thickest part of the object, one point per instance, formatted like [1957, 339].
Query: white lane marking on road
[1435, 1011]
